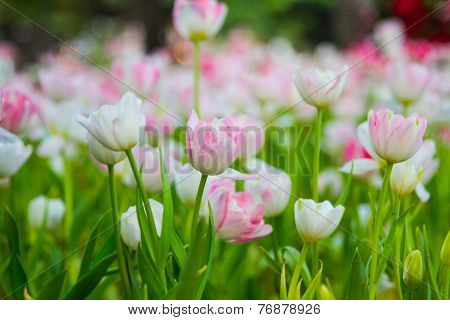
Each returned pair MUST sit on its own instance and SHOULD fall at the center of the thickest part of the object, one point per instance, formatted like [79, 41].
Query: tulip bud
[445, 251]
[212, 144]
[412, 270]
[129, 224]
[13, 153]
[320, 88]
[43, 209]
[116, 126]
[394, 137]
[103, 154]
[198, 20]
[404, 178]
[316, 221]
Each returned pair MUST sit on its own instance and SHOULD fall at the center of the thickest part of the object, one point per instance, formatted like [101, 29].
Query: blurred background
[304, 22]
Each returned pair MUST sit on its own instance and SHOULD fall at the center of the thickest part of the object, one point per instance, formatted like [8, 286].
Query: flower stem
[198, 202]
[197, 77]
[316, 159]
[297, 270]
[120, 254]
[68, 198]
[377, 229]
[148, 209]
[274, 237]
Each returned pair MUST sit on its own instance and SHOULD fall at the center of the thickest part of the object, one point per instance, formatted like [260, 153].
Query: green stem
[198, 203]
[148, 209]
[197, 77]
[120, 255]
[297, 270]
[377, 229]
[68, 199]
[316, 159]
[274, 237]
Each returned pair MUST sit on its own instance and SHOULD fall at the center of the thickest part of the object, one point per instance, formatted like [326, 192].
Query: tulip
[445, 251]
[272, 188]
[212, 144]
[424, 159]
[16, 110]
[404, 178]
[103, 154]
[198, 20]
[394, 137]
[116, 126]
[42, 209]
[238, 217]
[407, 81]
[13, 153]
[413, 269]
[142, 75]
[316, 221]
[129, 224]
[320, 88]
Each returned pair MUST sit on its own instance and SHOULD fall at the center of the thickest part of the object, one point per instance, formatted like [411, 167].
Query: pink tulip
[237, 217]
[198, 20]
[394, 137]
[16, 109]
[142, 75]
[212, 144]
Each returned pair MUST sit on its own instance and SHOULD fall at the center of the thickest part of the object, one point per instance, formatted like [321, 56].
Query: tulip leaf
[357, 288]
[149, 275]
[429, 265]
[167, 223]
[12, 233]
[144, 225]
[178, 250]
[89, 250]
[346, 191]
[283, 289]
[52, 288]
[310, 292]
[84, 286]
[271, 261]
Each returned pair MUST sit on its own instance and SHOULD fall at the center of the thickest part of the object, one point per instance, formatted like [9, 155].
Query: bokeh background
[304, 22]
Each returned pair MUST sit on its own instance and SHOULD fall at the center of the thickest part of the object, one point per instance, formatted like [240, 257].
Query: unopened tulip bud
[116, 126]
[394, 137]
[413, 269]
[316, 221]
[43, 209]
[445, 251]
[129, 224]
[404, 178]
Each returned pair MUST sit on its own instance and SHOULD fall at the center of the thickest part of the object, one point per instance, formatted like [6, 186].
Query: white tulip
[116, 126]
[13, 153]
[129, 224]
[45, 209]
[103, 154]
[404, 178]
[316, 221]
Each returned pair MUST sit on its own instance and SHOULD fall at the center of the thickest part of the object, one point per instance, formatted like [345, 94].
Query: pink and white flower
[238, 217]
[394, 137]
[16, 110]
[198, 20]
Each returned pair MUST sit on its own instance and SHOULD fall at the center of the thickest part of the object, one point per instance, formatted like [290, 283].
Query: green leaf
[89, 250]
[84, 286]
[178, 250]
[291, 255]
[17, 280]
[271, 261]
[149, 274]
[429, 269]
[283, 289]
[346, 191]
[310, 292]
[52, 288]
[144, 225]
[167, 223]
[357, 288]
[208, 254]
[12, 233]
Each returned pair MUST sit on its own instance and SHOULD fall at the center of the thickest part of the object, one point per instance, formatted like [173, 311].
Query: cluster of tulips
[235, 169]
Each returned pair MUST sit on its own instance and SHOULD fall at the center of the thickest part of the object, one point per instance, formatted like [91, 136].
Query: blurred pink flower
[212, 144]
[354, 150]
[16, 109]
[237, 217]
[198, 20]
[394, 137]
[252, 135]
